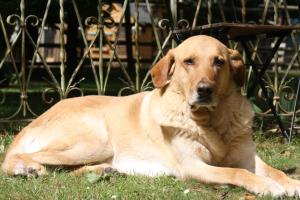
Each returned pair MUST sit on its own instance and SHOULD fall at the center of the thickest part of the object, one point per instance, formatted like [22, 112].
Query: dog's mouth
[198, 103]
[203, 98]
[196, 107]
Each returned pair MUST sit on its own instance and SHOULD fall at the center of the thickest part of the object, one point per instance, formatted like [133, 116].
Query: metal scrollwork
[81, 93]
[129, 88]
[286, 92]
[183, 24]
[48, 99]
[90, 21]
[289, 93]
[13, 20]
[74, 87]
[164, 24]
[32, 20]
[107, 21]
[147, 86]
[261, 95]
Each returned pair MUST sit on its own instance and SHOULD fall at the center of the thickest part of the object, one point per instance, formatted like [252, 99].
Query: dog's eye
[219, 62]
[189, 61]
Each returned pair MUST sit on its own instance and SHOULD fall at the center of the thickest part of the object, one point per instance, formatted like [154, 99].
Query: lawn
[60, 185]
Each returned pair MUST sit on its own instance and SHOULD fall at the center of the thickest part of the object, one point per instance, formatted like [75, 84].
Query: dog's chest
[188, 146]
[189, 140]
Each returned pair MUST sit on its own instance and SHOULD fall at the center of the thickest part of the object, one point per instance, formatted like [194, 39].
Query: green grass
[60, 185]
[64, 186]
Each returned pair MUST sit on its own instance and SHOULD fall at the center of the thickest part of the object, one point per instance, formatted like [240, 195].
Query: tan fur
[165, 131]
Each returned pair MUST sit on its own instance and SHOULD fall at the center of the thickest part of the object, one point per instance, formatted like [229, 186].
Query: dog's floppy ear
[237, 66]
[163, 70]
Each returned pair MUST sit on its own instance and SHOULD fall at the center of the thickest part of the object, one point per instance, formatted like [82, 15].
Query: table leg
[265, 65]
[258, 77]
[294, 111]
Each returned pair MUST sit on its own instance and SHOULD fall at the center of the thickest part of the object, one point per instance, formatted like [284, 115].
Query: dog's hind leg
[27, 164]
[57, 153]
[22, 164]
[33, 163]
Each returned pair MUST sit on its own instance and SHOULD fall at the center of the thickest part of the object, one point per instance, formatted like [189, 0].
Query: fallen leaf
[186, 191]
[92, 177]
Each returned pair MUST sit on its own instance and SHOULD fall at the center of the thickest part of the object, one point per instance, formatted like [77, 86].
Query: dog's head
[202, 68]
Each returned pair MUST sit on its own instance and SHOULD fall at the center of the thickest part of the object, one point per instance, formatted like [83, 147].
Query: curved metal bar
[2, 97]
[32, 20]
[137, 47]
[183, 24]
[13, 20]
[295, 105]
[196, 13]
[74, 88]
[156, 58]
[90, 21]
[45, 64]
[86, 46]
[62, 48]
[23, 61]
[10, 48]
[44, 95]
[15, 113]
[100, 34]
[209, 15]
[9, 52]
[158, 44]
[29, 109]
[38, 42]
[113, 47]
[69, 85]
[244, 11]
[129, 88]
[164, 24]
[123, 68]
[292, 62]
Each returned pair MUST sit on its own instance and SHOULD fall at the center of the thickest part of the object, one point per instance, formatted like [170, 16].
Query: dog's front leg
[98, 169]
[234, 176]
[291, 186]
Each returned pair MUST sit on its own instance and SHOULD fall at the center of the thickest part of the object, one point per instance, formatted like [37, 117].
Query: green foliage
[6, 139]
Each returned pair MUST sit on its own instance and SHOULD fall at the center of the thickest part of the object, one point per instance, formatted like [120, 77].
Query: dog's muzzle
[202, 97]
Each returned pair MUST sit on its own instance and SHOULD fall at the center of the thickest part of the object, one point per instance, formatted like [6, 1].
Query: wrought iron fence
[24, 48]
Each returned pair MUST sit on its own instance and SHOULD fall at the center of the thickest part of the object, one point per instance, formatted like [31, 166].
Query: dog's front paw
[268, 186]
[292, 188]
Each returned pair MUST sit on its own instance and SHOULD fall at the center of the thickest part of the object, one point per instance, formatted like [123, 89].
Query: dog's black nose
[204, 91]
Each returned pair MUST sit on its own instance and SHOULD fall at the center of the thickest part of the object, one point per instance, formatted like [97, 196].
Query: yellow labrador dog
[193, 125]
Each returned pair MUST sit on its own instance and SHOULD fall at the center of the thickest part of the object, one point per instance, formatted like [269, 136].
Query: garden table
[243, 33]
